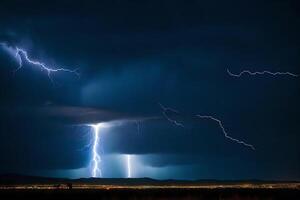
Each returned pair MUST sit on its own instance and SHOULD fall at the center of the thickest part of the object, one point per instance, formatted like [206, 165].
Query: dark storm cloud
[77, 115]
[71, 115]
[31, 144]
[134, 54]
[105, 37]
[63, 114]
[227, 167]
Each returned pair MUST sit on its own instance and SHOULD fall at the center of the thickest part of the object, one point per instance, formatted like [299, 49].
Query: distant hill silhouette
[13, 179]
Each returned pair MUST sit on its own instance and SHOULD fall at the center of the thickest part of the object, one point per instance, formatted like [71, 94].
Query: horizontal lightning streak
[224, 131]
[261, 73]
[164, 112]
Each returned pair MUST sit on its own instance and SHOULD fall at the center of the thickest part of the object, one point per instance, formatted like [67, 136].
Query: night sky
[133, 55]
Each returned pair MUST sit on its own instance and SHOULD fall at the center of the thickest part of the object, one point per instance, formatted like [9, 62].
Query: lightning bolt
[167, 109]
[224, 131]
[21, 54]
[128, 160]
[261, 73]
[96, 159]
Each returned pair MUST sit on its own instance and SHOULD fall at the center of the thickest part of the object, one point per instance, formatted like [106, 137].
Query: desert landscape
[18, 187]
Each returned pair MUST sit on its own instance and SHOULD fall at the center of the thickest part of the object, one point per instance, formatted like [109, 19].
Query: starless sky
[132, 55]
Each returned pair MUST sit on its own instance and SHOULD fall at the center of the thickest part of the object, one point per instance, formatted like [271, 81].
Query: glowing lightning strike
[21, 53]
[128, 158]
[49, 70]
[261, 73]
[164, 112]
[224, 131]
[96, 157]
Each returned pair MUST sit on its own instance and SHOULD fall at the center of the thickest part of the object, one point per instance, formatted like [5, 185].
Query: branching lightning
[21, 54]
[261, 73]
[95, 144]
[224, 131]
[96, 159]
[49, 70]
[167, 109]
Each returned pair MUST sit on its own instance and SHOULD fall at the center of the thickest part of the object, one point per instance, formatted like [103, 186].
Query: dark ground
[26, 187]
[183, 193]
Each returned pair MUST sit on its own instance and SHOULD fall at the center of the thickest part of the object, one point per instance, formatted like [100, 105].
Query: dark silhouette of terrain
[32, 187]
[10, 179]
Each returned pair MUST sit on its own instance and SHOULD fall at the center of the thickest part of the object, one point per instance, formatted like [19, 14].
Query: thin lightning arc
[96, 159]
[49, 70]
[224, 131]
[20, 53]
[164, 112]
[128, 159]
[261, 73]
